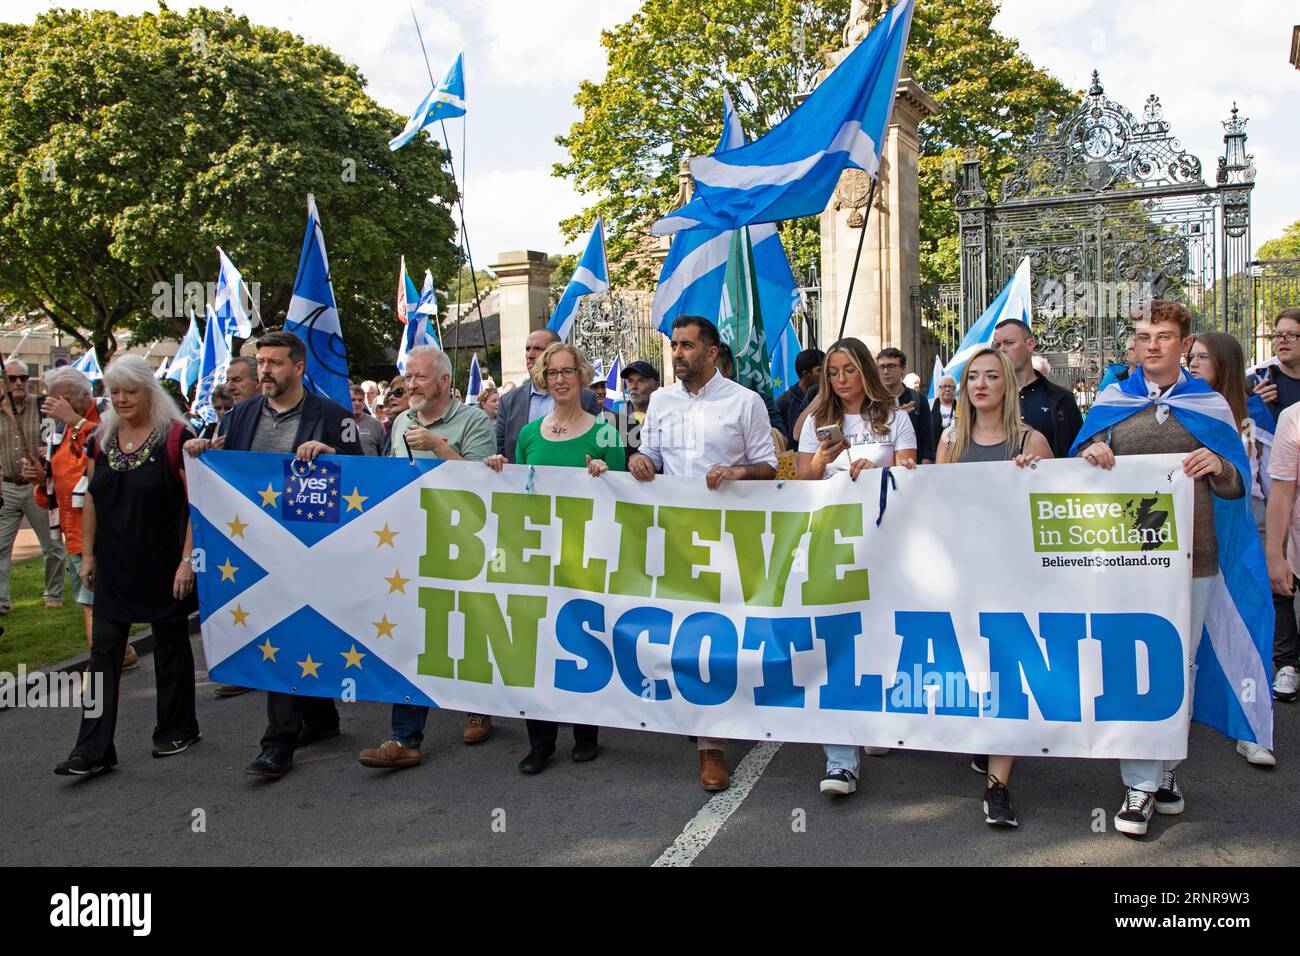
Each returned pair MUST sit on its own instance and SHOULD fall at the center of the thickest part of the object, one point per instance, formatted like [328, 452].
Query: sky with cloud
[525, 58]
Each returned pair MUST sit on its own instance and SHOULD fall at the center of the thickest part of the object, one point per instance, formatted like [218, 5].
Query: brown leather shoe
[390, 755]
[130, 659]
[477, 729]
[230, 690]
[713, 771]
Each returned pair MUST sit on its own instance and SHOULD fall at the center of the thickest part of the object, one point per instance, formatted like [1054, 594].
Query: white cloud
[515, 209]
[547, 44]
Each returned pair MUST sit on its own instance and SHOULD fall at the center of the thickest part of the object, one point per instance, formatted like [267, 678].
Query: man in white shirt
[704, 425]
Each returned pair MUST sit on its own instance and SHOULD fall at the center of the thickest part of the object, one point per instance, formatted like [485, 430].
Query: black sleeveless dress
[140, 514]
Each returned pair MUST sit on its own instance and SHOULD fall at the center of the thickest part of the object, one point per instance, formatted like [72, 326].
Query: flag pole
[848, 297]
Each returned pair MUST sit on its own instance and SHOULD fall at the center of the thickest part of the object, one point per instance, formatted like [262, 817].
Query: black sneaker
[79, 766]
[980, 764]
[271, 764]
[584, 752]
[535, 762]
[1169, 799]
[839, 782]
[311, 733]
[173, 747]
[998, 811]
[1134, 816]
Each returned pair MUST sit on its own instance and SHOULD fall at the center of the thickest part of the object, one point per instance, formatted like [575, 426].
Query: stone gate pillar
[522, 294]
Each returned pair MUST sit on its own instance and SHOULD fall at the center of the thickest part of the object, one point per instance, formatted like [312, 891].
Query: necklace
[561, 428]
[127, 443]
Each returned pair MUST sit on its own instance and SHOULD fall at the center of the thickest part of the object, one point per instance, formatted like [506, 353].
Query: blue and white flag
[314, 318]
[184, 370]
[88, 365]
[693, 273]
[793, 169]
[614, 385]
[1233, 679]
[228, 301]
[936, 374]
[444, 101]
[1015, 301]
[475, 387]
[592, 275]
[212, 365]
[783, 356]
[160, 372]
[419, 322]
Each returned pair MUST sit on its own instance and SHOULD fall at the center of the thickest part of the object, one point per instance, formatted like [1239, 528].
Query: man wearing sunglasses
[19, 492]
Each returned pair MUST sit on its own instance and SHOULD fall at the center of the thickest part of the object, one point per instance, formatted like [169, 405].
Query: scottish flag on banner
[592, 275]
[475, 387]
[184, 370]
[793, 170]
[314, 318]
[270, 526]
[1234, 659]
[783, 356]
[1015, 301]
[228, 302]
[212, 366]
[692, 276]
[444, 101]
[88, 365]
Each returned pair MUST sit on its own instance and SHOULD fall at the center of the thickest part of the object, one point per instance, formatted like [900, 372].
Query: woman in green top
[570, 437]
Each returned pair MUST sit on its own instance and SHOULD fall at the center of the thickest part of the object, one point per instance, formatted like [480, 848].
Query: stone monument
[522, 294]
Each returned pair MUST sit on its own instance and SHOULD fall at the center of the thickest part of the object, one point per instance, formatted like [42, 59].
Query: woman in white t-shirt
[860, 426]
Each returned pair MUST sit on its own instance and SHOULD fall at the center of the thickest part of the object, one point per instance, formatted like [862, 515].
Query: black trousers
[173, 675]
[286, 713]
[1286, 638]
[542, 734]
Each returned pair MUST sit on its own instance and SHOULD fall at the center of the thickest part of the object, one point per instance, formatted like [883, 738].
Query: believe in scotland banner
[1055, 623]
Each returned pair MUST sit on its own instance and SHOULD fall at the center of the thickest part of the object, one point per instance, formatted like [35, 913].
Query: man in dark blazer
[527, 403]
[286, 419]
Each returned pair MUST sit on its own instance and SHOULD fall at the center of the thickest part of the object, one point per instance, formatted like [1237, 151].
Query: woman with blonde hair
[136, 560]
[856, 425]
[987, 427]
[568, 436]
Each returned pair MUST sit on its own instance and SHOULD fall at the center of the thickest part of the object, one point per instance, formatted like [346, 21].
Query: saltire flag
[88, 365]
[161, 371]
[228, 301]
[691, 278]
[614, 385]
[265, 534]
[427, 309]
[419, 323]
[787, 350]
[444, 101]
[475, 387]
[212, 365]
[1015, 301]
[742, 317]
[184, 370]
[936, 374]
[592, 275]
[793, 170]
[1233, 676]
[598, 370]
[314, 317]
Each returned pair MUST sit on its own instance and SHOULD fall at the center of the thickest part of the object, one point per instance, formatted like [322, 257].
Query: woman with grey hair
[136, 547]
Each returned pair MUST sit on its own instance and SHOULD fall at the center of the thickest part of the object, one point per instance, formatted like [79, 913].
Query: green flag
[741, 324]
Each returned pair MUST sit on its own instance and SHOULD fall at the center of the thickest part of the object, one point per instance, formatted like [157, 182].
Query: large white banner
[966, 608]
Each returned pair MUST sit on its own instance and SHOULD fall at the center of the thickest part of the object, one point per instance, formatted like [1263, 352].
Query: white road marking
[704, 826]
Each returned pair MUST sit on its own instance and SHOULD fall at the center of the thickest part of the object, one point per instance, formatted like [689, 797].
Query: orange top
[68, 464]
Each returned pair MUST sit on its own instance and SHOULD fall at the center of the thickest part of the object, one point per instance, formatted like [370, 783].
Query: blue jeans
[408, 724]
[842, 757]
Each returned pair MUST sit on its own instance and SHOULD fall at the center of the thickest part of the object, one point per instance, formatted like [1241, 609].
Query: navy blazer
[322, 420]
[512, 416]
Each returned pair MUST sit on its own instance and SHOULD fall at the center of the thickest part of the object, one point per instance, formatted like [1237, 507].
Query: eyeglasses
[1197, 357]
[553, 374]
[1287, 337]
[847, 372]
[887, 366]
[18, 378]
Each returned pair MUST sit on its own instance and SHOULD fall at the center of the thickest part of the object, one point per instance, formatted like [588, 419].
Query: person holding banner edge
[704, 425]
[988, 426]
[286, 419]
[857, 426]
[1135, 418]
[568, 436]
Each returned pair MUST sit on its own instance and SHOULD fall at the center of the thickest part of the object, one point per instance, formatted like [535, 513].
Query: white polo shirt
[724, 424]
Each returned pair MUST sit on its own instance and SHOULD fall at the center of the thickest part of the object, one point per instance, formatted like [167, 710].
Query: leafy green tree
[1285, 246]
[130, 147]
[662, 98]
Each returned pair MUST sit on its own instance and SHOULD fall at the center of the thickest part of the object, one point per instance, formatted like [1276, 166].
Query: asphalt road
[470, 805]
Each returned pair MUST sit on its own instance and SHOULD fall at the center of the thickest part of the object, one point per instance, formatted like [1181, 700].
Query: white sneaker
[1256, 754]
[1286, 684]
[875, 751]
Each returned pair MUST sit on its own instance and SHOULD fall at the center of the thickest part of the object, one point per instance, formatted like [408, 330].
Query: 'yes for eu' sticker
[311, 491]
